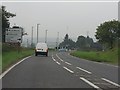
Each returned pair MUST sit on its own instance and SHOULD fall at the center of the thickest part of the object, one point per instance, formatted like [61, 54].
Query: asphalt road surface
[61, 70]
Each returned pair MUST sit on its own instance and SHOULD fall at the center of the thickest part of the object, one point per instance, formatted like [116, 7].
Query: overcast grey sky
[79, 17]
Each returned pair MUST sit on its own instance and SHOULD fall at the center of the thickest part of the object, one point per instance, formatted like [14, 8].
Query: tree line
[82, 43]
[5, 20]
[107, 34]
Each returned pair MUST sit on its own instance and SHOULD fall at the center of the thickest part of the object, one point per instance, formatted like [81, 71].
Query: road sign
[14, 35]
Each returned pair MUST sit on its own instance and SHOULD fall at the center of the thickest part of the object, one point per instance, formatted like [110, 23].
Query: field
[12, 55]
[110, 56]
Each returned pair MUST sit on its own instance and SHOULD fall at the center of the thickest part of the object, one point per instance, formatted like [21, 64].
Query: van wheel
[46, 54]
[35, 54]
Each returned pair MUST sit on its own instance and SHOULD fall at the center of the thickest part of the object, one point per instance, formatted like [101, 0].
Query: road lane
[41, 72]
[105, 71]
[54, 72]
[90, 71]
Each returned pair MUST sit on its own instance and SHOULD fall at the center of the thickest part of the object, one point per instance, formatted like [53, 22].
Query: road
[61, 70]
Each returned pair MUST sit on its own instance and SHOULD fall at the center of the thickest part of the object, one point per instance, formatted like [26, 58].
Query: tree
[66, 37]
[5, 21]
[89, 42]
[67, 43]
[108, 33]
[81, 43]
[84, 43]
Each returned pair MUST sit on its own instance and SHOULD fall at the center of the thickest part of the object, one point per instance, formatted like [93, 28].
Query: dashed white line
[4, 73]
[84, 70]
[63, 61]
[91, 84]
[68, 70]
[68, 63]
[53, 59]
[110, 82]
[58, 63]
[59, 58]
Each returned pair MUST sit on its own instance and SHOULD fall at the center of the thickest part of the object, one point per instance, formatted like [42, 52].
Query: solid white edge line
[59, 58]
[106, 64]
[68, 70]
[110, 82]
[91, 84]
[5, 72]
[95, 62]
[68, 63]
[84, 70]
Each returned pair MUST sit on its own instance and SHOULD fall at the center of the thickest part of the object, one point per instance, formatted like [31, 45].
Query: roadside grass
[110, 56]
[12, 56]
[0, 62]
[51, 49]
[0, 57]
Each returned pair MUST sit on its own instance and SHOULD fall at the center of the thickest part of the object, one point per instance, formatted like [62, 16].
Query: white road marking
[84, 70]
[63, 61]
[59, 58]
[4, 73]
[91, 84]
[105, 64]
[68, 63]
[53, 58]
[58, 63]
[68, 70]
[110, 82]
[68, 53]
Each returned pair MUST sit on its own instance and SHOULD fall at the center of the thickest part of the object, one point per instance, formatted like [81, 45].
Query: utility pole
[57, 41]
[87, 33]
[27, 43]
[32, 37]
[46, 36]
[37, 31]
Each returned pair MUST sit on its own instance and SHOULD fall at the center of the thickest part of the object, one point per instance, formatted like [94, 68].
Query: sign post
[14, 35]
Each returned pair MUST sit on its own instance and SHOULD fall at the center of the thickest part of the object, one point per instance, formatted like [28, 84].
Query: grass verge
[110, 56]
[11, 57]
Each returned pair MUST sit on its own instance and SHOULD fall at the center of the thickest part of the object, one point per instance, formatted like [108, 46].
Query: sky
[72, 18]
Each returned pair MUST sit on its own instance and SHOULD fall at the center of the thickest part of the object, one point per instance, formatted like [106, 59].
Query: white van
[41, 48]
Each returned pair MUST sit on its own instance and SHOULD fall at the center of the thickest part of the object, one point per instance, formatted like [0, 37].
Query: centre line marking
[91, 84]
[59, 58]
[84, 70]
[68, 63]
[68, 70]
[110, 82]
